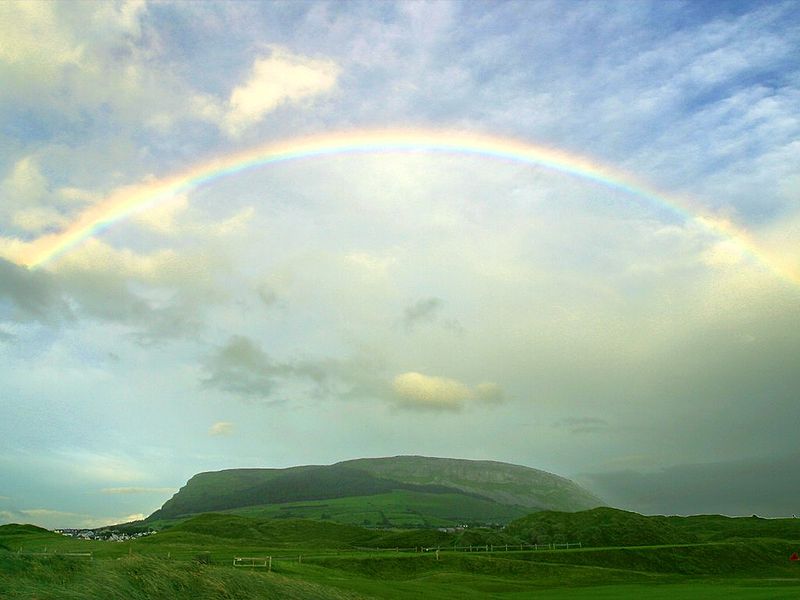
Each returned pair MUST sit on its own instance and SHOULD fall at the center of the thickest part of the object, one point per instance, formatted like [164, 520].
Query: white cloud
[25, 191]
[25, 184]
[176, 217]
[221, 428]
[277, 79]
[31, 204]
[163, 217]
[378, 265]
[33, 36]
[726, 253]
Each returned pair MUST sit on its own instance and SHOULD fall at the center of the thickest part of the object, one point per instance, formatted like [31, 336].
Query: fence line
[473, 548]
[261, 562]
[266, 561]
[88, 555]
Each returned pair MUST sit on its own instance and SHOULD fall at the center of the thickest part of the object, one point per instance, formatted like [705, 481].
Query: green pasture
[320, 559]
[399, 508]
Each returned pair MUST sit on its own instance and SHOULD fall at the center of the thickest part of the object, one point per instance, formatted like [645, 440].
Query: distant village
[106, 535]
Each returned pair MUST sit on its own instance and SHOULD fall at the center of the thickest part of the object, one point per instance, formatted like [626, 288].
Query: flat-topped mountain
[401, 491]
[502, 482]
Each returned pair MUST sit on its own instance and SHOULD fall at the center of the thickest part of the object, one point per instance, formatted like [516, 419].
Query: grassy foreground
[313, 559]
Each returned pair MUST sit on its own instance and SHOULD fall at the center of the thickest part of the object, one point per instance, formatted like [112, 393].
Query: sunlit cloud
[415, 390]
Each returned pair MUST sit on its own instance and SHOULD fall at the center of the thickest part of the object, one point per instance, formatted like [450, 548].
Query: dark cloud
[767, 487]
[31, 295]
[267, 295]
[118, 298]
[242, 367]
[426, 310]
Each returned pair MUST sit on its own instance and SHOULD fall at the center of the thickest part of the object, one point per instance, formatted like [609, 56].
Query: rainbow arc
[134, 199]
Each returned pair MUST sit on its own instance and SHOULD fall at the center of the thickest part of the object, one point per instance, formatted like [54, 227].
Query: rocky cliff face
[501, 482]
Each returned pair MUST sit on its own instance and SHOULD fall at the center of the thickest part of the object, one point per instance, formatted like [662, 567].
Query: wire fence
[255, 558]
[53, 554]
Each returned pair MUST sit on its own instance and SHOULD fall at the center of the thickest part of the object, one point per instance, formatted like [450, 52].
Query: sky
[627, 316]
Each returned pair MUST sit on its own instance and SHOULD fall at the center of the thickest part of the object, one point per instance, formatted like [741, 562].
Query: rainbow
[130, 200]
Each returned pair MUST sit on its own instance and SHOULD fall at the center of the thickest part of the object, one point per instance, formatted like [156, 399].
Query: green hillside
[606, 527]
[404, 491]
[713, 528]
[598, 527]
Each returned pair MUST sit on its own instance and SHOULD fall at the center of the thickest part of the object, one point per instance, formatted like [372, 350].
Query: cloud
[160, 294]
[35, 39]
[33, 295]
[95, 466]
[243, 368]
[279, 78]
[221, 428]
[48, 518]
[138, 490]
[163, 216]
[415, 390]
[267, 295]
[489, 393]
[176, 217]
[429, 311]
[583, 424]
[767, 486]
[425, 310]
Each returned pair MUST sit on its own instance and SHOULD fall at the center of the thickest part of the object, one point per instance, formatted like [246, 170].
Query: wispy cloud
[583, 424]
[221, 428]
[138, 490]
[50, 519]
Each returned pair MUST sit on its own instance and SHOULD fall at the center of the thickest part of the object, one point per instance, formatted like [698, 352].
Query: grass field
[317, 559]
[431, 510]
